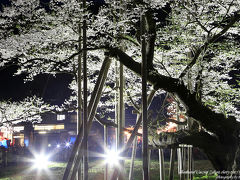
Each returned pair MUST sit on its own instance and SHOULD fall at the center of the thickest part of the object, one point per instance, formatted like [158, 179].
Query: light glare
[67, 144]
[40, 161]
[112, 157]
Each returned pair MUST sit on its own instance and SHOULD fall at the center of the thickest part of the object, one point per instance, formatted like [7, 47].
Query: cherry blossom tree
[192, 50]
[27, 110]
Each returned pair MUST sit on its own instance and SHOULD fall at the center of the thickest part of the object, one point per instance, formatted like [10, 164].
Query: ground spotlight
[40, 161]
[112, 157]
[58, 145]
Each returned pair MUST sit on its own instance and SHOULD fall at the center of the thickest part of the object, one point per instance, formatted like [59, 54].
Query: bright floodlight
[112, 157]
[58, 145]
[40, 161]
[67, 144]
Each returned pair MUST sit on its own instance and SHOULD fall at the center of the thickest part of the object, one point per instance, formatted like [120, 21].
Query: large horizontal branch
[167, 83]
[208, 118]
[212, 147]
[198, 139]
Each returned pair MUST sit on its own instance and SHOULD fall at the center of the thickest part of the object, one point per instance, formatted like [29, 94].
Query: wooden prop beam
[92, 113]
[144, 103]
[134, 132]
[100, 80]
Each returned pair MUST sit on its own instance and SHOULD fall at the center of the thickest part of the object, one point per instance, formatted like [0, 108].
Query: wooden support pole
[121, 106]
[172, 160]
[134, 150]
[180, 163]
[119, 109]
[134, 132]
[91, 111]
[106, 147]
[116, 103]
[121, 123]
[144, 103]
[179, 150]
[184, 154]
[99, 88]
[190, 169]
[79, 83]
[161, 165]
[85, 96]
[149, 161]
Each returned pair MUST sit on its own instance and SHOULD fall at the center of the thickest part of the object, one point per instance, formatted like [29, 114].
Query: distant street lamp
[67, 144]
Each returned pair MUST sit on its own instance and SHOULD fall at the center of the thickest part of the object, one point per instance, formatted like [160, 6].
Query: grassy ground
[55, 171]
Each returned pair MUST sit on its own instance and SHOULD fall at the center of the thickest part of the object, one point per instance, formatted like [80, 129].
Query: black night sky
[53, 89]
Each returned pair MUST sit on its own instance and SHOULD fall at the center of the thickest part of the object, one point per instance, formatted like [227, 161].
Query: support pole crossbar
[97, 90]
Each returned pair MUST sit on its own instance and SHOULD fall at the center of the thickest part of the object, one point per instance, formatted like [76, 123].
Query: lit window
[18, 128]
[60, 117]
[48, 127]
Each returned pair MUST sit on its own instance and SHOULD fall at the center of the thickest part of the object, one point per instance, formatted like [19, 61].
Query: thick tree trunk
[222, 150]
[224, 156]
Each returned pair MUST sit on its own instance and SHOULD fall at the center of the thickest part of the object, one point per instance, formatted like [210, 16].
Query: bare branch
[233, 20]
[136, 107]
[197, 20]
[164, 67]
[176, 122]
[112, 124]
